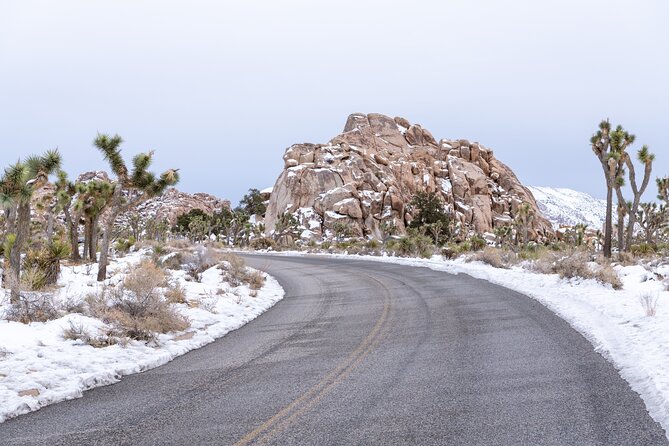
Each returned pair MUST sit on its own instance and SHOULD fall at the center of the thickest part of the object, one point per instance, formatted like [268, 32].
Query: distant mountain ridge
[563, 206]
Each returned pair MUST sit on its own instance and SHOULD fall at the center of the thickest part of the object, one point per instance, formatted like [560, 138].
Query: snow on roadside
[37, 361]
[613, 321]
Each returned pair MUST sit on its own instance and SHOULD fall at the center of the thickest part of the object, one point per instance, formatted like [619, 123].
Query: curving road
[367, 353]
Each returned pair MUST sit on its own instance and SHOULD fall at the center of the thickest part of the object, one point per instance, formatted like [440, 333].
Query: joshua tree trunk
[608, 226]
[73, 227]
[22, 234]
[107, 229]
[49, 225]
[93, 247]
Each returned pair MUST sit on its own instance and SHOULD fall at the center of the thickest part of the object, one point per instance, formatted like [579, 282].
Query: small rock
[184, 337]
[29, 392]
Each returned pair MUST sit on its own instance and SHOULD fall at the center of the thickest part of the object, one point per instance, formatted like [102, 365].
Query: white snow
[36, 356]
[267, 190]
[613, 321]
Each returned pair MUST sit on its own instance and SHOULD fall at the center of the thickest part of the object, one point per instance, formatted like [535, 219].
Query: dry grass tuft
[137, 309]
[495, 257]
[649, 303]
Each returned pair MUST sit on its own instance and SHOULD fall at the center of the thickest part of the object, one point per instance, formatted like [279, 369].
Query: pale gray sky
[221, 88]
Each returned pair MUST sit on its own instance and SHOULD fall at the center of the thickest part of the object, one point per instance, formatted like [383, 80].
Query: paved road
[367, 353]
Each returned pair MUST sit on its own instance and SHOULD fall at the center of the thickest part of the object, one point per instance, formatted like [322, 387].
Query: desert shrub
[179, 243]
[33, 278]
[255, 279]
[136, 308]
[577, 264]
[42, 266]
[642, 249]
[33, 307]
[574, 265]
[171, 261]
[531, 251]
[77, 332]
[411, 245]
[262, 243]
[463, 247]
[234, 270]
[496, 258]
[176, 293]
[201, 260]
[73, 305]
[123, 246]
[606, 274]
[649, 303]
[449, 252]
[626, 258]
[477, 242]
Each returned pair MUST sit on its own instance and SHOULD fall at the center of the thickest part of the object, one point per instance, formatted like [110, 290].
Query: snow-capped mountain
[569, 207]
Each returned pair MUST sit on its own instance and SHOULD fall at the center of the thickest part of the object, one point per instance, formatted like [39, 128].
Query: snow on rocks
[39, 367]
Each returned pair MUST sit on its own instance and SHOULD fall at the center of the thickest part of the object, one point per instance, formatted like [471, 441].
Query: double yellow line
[311, 397]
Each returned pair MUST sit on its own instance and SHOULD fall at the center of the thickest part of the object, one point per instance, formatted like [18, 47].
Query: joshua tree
[609, 147]
[286, 228]
[663, 189]
[652, 218]
[17, 186]
[94, 198]
[502, 233]
[65, 192]
[130, 188]
[524, 218]
[620, 139]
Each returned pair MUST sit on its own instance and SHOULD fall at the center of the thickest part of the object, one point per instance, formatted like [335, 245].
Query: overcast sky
[222, 88]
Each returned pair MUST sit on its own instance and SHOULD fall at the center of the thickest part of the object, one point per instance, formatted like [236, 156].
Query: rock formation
[173, 203]
[368, 175]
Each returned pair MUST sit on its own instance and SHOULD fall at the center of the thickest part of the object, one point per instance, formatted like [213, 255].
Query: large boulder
[366, 177]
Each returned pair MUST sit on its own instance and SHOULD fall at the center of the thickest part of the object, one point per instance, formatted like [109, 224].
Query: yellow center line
[307, 400]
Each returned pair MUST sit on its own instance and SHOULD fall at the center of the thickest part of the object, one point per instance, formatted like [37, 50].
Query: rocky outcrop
[173, 203]
[368, 175]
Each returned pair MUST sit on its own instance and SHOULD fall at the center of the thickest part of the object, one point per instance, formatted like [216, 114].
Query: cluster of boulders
[173, 203]
[365, 178]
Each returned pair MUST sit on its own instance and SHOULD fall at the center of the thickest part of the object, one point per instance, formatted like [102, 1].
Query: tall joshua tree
[131, 187]
[17, 186]
[609, 147]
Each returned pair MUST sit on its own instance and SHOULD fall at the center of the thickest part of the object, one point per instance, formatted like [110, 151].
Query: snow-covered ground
[614, 321]
[39, 367]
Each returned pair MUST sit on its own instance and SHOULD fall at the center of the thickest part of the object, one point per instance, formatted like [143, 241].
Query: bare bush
[649, 303]
[179, 244]
[76, 332]
[33, 307]
[606, 274]
[136, 309]
[176, 293]
[234, 270]
[256, 279]
[495, 257]
[201, 260]
[577, 264]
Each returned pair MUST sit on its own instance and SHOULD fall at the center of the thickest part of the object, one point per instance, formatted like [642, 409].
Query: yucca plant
[130, 188]
[17, 186]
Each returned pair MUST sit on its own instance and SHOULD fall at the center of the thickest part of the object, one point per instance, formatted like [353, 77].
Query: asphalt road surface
[370, 354]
